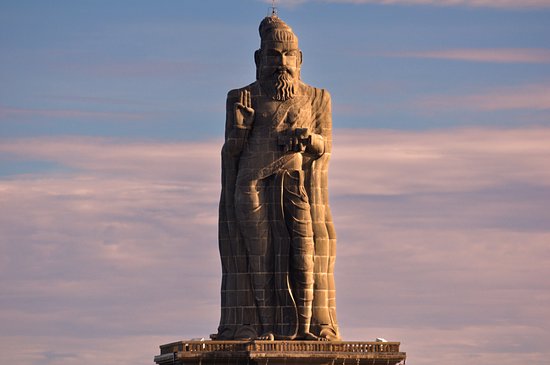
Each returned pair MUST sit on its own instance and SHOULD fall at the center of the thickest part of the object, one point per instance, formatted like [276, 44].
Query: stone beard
[276, 236]
[282, 87]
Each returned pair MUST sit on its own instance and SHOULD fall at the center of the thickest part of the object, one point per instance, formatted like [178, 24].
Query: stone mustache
[276, 235]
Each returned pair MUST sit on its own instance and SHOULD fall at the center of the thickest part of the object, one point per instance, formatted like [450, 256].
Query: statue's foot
[268, 336]
[308, 336]
[245, 333]
[323, 338]
[329, 335]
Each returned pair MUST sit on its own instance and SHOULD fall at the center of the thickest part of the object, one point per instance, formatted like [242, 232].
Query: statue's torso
[249, 158]
[272, 120]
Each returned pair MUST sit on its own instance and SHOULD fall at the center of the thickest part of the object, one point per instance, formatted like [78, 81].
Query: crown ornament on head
[274, 30]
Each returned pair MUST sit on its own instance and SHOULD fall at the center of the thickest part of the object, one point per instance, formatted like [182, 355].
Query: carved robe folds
[276, 234]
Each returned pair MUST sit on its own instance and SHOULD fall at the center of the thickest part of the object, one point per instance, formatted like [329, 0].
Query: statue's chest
[278, 117]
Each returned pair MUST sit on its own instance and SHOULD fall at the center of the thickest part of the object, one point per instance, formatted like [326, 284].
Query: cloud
[531, 97]
[95, 100]
[119, 157]
[438, 161]
[152, 69]
[442, 236]
[496, 55]
[452, 349]
[131, 349]
[9, 112]
[509, 4]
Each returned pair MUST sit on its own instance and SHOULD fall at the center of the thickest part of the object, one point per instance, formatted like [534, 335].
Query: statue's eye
[273, 53]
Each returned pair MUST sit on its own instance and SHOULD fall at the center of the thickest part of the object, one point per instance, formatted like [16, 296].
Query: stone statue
[276, 235]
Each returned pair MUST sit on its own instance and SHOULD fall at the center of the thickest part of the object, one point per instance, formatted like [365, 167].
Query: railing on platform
[281, 346]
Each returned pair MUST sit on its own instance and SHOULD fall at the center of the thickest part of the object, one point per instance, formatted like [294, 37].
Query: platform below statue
[279, 352]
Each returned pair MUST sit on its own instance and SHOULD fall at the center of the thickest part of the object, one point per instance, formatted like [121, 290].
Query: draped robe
[310, 108]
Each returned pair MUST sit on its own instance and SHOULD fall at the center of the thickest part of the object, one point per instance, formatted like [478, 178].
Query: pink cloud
[391, 162]
[453, 349]
[95, 100]
[534, 97]
[442, 236]
[497, 55]
[47, 350]
[118, 157]
[142, 69]
[6, 112]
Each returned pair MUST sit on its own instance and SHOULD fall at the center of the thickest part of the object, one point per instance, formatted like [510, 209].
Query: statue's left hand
[297, 140]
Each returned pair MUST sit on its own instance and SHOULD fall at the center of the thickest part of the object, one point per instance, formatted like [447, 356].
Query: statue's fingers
[241, 97]
[285, 147]
[248, 99]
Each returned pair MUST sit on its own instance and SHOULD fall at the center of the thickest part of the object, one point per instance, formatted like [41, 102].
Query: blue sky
[111, 123]
[161, 70]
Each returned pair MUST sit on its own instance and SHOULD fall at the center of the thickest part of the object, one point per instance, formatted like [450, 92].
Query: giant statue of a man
[276, 235]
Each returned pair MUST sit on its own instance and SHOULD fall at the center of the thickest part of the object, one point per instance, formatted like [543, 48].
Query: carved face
[278, 58]
[279, 69]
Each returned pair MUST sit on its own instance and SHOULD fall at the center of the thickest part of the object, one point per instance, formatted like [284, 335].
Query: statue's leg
[252, 216]
[299, 224]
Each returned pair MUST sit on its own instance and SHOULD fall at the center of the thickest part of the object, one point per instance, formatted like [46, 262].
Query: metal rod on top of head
[273, 9]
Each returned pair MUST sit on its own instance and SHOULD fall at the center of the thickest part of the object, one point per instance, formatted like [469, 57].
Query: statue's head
[279, 59]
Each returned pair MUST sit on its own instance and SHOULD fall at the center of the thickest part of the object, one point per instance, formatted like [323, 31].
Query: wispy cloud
[146, 69]
[533, 97]
[116, 157]
[443, 233]
[408, 162]
[95, 100]
[496, 55]
[6, 112]
[511, 4]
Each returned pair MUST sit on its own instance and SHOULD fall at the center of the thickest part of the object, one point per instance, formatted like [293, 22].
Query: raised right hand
[244, 114]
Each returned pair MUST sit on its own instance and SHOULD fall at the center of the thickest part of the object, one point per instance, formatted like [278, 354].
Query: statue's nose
[280, 60]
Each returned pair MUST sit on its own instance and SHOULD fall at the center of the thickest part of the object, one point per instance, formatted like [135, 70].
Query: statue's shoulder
[236, 93]
[317, 95]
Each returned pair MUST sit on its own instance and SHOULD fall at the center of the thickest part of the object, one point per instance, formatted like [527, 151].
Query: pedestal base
[279, 353]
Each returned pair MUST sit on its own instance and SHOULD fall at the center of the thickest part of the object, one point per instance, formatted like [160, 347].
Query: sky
[111, 125]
